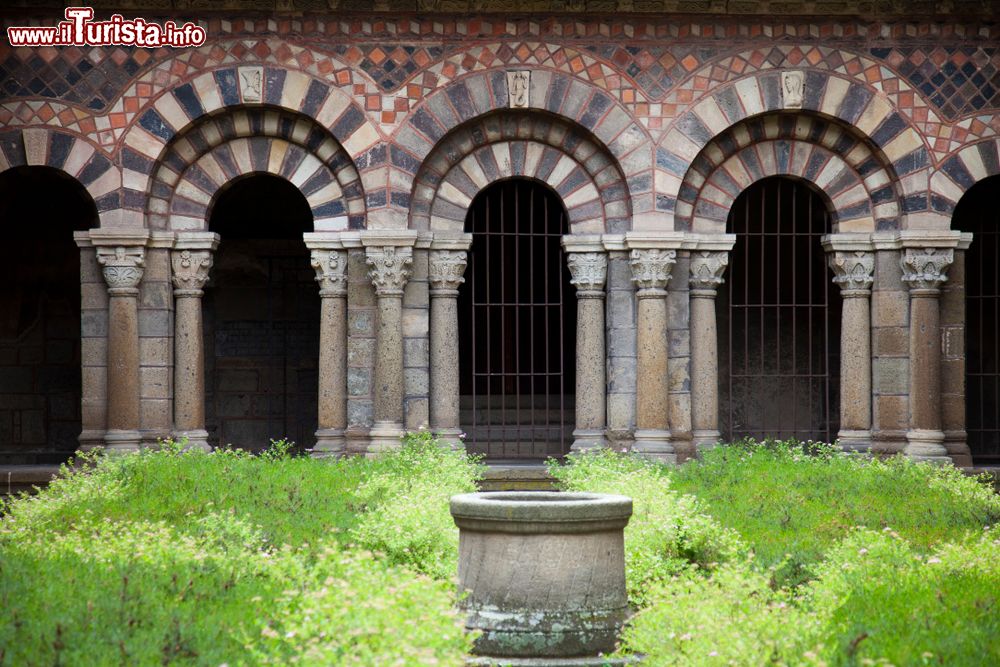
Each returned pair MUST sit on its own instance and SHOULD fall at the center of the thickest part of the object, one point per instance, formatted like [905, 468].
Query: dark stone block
[189, 101]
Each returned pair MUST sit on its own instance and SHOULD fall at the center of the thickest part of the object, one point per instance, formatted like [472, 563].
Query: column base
[91, 440]
[704, 440]
[330, 444]
[196, 439]
[451, 437]
[118, 441]
[655, 445]
[384, 437]
[855, 442]
[588, 440]
[926, 445]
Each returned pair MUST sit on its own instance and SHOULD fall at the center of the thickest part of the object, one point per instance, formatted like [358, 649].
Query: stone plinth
[543, 573]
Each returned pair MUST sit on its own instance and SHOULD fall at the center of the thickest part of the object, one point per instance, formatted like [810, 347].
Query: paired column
[924, 271]
[853, 271]
[389, 270]
[122, 267]
[191, 261]
[445, 275]
[651, 273]
[589, 272]
[331, 274]
[706, 268]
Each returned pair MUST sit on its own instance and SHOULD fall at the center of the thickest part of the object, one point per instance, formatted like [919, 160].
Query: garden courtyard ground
[758, 554]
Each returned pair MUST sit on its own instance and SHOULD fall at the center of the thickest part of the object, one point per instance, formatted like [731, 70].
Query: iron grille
[779, 318]
[977, 213]
[517, 313]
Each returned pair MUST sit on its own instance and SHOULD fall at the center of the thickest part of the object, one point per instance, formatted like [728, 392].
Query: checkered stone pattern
[584, 134]
[224, 146]
[853, 104]
[963, 170]
[858, 184]
[521, 144]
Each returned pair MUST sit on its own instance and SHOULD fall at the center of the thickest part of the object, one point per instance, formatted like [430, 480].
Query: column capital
[390, 268]
[122, 268]
[588, 271]
[445, 270]
[706, 270]
[853, 271]
[924, 269]
[190, 271]
[651, 269]
[331, 271]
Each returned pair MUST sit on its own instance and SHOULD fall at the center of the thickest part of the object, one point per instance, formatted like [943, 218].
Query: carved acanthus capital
[925, 268]
[706, 269]
[331, 272]
[446, 269]
[853, 270]
[122, 268]
[651, 269]
[190, 271]
[589, 271]
[390, 268]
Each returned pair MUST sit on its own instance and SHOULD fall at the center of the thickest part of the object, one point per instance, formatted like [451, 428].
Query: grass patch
[177, 557]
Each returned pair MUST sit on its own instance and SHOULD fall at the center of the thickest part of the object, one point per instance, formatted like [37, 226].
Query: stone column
[389, 270]
[853, 271]
[924, 271]
[331, 274]
[589, 271]
[651, 273]
[122, 268]
[706, 270]
[445, 275]
[191, 261]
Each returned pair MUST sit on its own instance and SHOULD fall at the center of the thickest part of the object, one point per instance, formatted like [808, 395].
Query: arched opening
[977, 212]
[517, 325]
[40, 322]
[779, 318]
[261, 317]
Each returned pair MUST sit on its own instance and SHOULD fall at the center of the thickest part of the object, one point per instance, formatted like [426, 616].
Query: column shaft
[191, 261]
[924, 270]
[706, 268]
[445, 275]
[331, 274]
[122, 268]
[589, 271]
[651, 274]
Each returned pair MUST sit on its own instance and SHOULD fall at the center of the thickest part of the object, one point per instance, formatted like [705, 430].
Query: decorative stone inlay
[853, 271]
[589, 271]
[651, 268]
[446, 269]
[518, 85]
[925, 268]
[390, 268]
[252, 83]
[792, 86]
[331, 272]
[122, 268]
[707, 268]
[191, 269]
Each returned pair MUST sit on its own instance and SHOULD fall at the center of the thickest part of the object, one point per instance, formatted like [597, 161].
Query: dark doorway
[40, 376]
[262, 312]
[517, 319]
[779, 318]
[979, 213]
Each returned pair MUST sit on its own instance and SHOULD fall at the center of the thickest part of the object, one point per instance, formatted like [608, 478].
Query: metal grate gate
[977, 213]
[517, 313]
[779, 318]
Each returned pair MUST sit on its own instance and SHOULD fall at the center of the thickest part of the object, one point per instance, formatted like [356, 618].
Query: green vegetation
[757, 554]
[177, 557]
[769, 554]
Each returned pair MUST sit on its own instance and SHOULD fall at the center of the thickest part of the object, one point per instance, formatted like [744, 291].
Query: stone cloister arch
[862, 190]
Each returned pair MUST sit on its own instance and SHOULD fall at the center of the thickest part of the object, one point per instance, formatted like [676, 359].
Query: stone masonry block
[417, 413]
[890, 309]
[892, 413]
[359, 382]
[361, 352]
[94, 324]
[415, 322]
[154, 382]
[620, 309]
[155, 323]
[415, 382]
[621, 343]
[361, 323]
[891, 375]
[360, 413]
[621, 412]
[416, 352]
[155, 413]
[155, 351]
[890, 341]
